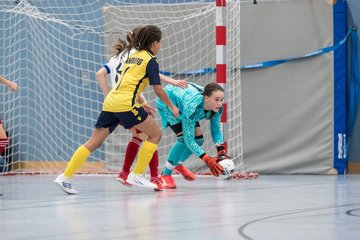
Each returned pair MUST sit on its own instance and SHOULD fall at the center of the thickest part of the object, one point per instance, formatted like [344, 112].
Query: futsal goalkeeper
[195, 103]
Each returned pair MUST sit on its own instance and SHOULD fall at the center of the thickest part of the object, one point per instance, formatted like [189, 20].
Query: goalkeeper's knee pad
[3, 143]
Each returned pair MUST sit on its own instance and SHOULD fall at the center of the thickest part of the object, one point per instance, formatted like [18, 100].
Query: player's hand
[175, 111]
[212, 164]
[13, 86]
[180, 83]
[150, 110]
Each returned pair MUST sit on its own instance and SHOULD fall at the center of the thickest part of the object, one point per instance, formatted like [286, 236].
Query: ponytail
[145, 37]
[119, 46]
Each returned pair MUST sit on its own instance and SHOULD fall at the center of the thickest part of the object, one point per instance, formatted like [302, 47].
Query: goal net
[53, 49]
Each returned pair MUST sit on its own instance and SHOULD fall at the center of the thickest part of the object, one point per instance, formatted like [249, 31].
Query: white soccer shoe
[64, 183]
[139, 180]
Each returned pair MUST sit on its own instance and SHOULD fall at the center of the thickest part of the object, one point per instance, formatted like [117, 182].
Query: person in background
[4, 141]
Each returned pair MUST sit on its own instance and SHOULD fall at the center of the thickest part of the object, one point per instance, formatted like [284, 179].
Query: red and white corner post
[221, 57]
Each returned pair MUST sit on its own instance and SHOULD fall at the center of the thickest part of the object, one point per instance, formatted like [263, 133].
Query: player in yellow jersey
[121, 106]
[114, 68]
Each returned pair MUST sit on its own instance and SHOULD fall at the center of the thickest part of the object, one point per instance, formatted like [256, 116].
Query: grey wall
[287, 109]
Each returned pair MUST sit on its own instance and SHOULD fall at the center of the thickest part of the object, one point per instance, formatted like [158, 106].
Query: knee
[92, 145]
[159, 135]
[155, 137]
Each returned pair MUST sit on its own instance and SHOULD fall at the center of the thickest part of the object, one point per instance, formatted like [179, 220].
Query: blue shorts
[127, 119]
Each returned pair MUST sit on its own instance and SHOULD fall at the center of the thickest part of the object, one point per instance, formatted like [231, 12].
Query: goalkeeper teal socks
[169, 167]
[174, 156]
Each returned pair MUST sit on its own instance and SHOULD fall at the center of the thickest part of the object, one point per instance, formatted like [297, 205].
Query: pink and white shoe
[122, 177]
[157, 181]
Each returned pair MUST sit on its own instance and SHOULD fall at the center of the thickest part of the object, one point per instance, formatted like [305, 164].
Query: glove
[222, 154]
[212, 164]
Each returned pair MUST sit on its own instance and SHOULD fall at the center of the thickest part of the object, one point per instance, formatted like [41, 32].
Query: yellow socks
[82, 153]
[79, 157]
[145, 154]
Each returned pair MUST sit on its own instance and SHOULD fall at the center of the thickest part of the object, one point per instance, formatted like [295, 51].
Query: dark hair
[209, 89]
[145, 37]
[120, 45]
[130, 36]
[212, 87]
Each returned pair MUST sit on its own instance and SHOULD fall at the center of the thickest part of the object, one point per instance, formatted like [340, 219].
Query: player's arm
[216, 134]
[160, 92]
[152, 70]
[11, 85]
[188, 127]
[177, 83]
[143, 103]
[100, 77]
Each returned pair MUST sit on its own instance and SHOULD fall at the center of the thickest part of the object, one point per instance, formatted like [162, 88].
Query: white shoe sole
[138, 183]
[73, 192]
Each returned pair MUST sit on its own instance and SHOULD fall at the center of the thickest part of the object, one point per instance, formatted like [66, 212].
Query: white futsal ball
[228, 166]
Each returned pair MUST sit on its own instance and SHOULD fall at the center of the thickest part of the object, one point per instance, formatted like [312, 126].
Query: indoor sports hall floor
[266, 208]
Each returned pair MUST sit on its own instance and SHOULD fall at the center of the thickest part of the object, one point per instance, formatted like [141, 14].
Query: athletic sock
[79, 157]
[154, 164]
[145, 154]
[169, 167]
[131, 152]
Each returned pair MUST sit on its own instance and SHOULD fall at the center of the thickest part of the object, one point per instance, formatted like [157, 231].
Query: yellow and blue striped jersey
[139, 70]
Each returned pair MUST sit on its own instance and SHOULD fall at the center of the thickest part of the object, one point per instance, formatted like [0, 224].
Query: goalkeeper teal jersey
[190, 102]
